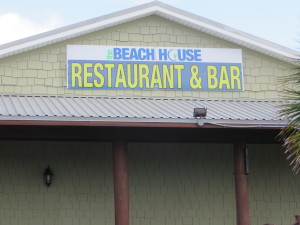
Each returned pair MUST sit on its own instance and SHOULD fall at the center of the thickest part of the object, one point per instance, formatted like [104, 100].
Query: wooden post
[241, 184]
[121, 184]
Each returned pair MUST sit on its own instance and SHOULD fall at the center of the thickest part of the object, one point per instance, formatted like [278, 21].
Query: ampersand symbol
[195, 82]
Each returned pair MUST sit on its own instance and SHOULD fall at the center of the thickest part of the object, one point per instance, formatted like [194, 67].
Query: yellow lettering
[155, 79]
[120, 77]
[76, 74]
[99, 83]
[143, 73]
[179, 69]
[224, 80]
[109, 67]
[135, 80]
[168, 76]
[235, 76]
[87, 74]
[212, 77]
[195, 81]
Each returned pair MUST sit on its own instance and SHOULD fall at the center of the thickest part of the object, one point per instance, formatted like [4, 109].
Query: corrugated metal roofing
[124, 109]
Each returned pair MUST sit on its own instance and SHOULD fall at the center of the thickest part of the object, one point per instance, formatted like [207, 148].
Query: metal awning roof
[131, 110]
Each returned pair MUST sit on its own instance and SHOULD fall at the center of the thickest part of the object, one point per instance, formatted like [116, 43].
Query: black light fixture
[200, 112]
[48, 176]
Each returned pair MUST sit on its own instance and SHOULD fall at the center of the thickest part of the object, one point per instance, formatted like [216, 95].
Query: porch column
[121, 184]
[241, 184]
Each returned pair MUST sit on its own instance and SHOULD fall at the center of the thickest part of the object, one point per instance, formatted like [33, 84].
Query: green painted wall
[170, 184]
[274, 189]
[43, 71]
[81, 193]
[174, 184]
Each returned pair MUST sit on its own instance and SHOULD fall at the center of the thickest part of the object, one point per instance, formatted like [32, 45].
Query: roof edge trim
[141, 122]
[152, 8]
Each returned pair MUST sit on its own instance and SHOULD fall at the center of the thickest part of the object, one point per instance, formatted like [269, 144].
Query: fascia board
[75, 32]
[165, 11]
[217, 122]
[230, 35]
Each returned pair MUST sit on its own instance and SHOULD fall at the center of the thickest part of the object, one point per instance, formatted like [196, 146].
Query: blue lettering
[162, 54]
[117, 53]
[141, 54]
[150, 53]
[189, 55]
[125, 53]
[181, 54]
[197, 53]
[134, 55]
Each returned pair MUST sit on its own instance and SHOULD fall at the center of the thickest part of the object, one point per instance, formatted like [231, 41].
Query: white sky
[274, 20]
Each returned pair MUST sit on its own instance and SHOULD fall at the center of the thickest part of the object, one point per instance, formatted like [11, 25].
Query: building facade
[123, 155]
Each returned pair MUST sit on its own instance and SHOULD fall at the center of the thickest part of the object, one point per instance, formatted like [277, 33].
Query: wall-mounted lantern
[48, 176]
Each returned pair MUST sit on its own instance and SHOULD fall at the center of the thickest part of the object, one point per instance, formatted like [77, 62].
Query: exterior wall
[43, 71]
[274, 189]
[82, 189]
[170, 184]
[175, 184]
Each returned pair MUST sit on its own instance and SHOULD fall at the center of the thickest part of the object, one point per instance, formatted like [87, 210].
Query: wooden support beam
[121, 184]
[241, 184]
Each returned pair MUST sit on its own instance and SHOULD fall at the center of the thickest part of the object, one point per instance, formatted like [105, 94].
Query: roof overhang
[138, 112]
[154, 8]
